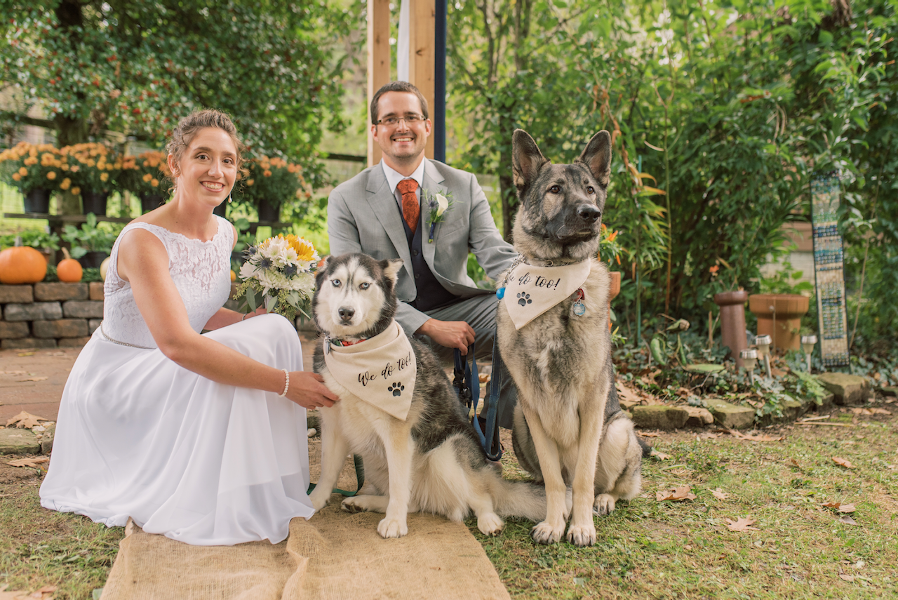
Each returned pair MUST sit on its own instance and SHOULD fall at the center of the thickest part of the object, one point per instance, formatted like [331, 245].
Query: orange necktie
[410, 208]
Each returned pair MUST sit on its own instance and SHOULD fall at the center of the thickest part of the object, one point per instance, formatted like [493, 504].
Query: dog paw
[490, 524]
[524, 299]
[582, 535]
[352, 505]
[396, 388]
[319, 498]
[392, 528]
[603, 505]
[543, 533]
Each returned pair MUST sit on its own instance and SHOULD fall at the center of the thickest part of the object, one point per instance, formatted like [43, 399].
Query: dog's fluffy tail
[520, 499]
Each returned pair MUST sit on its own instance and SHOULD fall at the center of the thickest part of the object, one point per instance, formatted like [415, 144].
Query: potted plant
[36, 171]
[269, 184]
[94, 171]
[609, 251]
[45, 243]
[147, 176]
[91, 243]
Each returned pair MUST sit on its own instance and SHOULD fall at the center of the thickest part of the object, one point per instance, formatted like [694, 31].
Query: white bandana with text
[530, 291]
[380, 370]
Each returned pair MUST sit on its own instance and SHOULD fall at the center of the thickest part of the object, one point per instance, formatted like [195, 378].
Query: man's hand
[451, 334]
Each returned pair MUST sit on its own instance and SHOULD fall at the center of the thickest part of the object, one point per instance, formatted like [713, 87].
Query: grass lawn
[646, 549]
[801, 549]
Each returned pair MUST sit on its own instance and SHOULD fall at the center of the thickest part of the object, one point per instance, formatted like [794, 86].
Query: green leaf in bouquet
[293, 298]
[251, 299]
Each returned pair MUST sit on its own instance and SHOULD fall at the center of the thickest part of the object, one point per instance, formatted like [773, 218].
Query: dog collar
[341, 343]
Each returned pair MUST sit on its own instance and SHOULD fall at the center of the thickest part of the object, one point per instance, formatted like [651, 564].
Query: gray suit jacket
[362, 216]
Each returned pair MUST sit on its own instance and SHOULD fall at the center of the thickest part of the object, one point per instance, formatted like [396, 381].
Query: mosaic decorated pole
[828, 268]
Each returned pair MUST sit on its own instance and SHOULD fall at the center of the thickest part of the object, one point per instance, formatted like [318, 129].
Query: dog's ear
[391, 268]
[526, 159]
[597, 157]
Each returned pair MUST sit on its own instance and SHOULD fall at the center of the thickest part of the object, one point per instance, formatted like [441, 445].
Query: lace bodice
[199, 269]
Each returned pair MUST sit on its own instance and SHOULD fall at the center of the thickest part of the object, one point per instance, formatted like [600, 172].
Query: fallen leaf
[29, 462]
[847, 508]
[25, 420]
[649, 434]
[26, 354]
[794, 462]
[842, 462]
[32, 379]
[845, 577]
[719, 494]
[677, 494]
[13, 372]
[880, 411]
[742, 524]
[847, 520]
[483, 377]
[832, 504]
[660, 455]
[627, 394]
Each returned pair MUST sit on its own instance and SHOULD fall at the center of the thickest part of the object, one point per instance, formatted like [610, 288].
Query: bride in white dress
[201, 438]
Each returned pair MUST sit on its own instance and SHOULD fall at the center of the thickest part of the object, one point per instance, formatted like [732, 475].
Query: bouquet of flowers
[279, 273]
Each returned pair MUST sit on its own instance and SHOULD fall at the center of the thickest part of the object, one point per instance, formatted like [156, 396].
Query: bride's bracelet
[286, 383]
[244, 316]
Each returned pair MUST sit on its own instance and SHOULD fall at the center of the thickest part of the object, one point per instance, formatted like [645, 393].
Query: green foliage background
[138, 67]
[721, 112]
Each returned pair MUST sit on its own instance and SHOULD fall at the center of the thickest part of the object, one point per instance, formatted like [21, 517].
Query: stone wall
[60, 315]
[49, 315]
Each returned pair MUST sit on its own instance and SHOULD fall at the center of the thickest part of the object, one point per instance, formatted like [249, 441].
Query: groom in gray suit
[384, 212]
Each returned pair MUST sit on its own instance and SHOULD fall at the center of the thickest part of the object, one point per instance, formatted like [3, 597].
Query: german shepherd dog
[568, 425]
[430, 462]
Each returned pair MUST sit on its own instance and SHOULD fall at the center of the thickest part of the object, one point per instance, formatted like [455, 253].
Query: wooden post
[422, 29]
[378, 59]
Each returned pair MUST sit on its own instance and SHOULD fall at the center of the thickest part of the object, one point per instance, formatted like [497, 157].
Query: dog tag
[579, 307]
[500, 293]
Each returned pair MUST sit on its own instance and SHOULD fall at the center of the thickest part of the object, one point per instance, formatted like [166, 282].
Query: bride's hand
[308, 390]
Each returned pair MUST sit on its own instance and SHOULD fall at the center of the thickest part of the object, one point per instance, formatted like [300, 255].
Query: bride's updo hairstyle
[188, 127]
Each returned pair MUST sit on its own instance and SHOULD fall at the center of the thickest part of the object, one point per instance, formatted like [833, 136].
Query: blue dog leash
[467, 386]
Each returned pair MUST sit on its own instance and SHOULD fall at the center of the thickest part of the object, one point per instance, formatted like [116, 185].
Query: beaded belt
[103, 331]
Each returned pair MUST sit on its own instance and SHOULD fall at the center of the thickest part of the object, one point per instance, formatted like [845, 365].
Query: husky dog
[430, 462]
[568, 425]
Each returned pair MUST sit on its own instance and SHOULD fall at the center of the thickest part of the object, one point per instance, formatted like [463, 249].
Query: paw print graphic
[524, 299]
[396, 388]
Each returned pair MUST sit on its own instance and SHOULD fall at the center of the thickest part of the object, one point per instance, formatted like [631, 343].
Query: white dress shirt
[393, 179]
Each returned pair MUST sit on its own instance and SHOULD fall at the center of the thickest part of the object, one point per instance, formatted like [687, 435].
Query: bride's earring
[229, 198]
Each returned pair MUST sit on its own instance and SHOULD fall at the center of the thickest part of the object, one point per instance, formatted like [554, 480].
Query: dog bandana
[530, 291]
[380, 370]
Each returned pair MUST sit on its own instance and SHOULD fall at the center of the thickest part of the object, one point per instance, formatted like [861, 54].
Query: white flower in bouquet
[279, 272]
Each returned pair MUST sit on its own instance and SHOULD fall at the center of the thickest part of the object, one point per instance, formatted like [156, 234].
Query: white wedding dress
[139, 436]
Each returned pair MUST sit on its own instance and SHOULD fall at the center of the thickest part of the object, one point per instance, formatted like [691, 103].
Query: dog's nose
[346, 313]
[588, 212]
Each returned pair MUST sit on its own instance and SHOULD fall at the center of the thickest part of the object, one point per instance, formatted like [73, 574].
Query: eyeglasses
[410, 119]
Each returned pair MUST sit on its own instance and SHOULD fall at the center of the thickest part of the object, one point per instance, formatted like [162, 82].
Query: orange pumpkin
[21, 264]
[69, 270]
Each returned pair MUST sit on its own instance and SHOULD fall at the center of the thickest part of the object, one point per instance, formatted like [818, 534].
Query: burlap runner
[333, 556]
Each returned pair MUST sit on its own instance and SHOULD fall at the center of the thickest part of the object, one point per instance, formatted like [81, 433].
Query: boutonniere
[438, 205]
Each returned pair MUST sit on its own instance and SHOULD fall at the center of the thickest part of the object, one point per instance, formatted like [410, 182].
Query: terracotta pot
[779, 316]
[732, 322]
[615, 285]
[614, 291]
